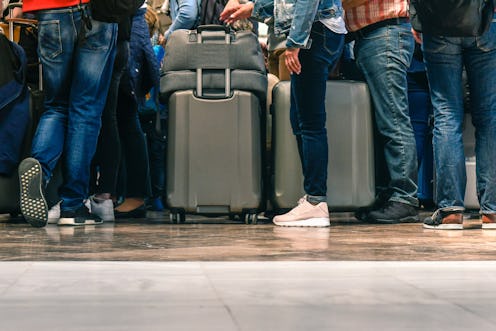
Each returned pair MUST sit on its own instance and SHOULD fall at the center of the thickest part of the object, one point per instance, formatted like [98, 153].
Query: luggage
[215, 85]
[471, 199]
[350, 182]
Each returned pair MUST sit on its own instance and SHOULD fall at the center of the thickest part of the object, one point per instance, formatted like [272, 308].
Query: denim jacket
[294, 18]
[184, 14]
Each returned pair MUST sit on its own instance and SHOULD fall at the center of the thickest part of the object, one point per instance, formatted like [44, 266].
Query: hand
[417, 36]
[234, 11]
[291, 60]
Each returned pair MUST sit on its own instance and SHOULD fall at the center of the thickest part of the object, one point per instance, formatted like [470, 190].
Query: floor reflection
[221, 239]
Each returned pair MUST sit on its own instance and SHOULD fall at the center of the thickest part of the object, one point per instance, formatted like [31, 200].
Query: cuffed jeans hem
[314, 199]
[406, 200]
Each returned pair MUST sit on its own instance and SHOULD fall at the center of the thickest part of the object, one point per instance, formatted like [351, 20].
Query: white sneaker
[104, 209]
[54, 213]
[305, 214]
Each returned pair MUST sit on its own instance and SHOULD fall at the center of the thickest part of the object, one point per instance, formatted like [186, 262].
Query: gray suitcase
[214, 153]
[471, 199]
[350, 182]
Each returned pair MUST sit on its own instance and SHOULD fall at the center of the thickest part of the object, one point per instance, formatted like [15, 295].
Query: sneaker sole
[311, 222]
[34, 207]
[72, 222]
[444, 226]
[489, 226]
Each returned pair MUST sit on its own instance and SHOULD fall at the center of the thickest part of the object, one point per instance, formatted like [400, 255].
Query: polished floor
[219, 239]
[217, 274]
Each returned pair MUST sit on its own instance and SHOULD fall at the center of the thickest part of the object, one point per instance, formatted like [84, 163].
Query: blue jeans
[445, 58]
[77, 70]
[308, 114]
[384, 55]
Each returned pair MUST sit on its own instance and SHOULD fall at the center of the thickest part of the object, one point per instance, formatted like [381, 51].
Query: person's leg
[92, 70]
[444, 62]
[57, 38]
[480, 63]
[308, 118]
[384, 56]
[108, 153]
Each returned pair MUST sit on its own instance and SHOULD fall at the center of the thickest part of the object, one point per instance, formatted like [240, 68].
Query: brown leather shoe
[489, 221]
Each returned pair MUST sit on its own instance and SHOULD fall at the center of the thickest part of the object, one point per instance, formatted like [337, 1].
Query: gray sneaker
[103, 208]
[34, 207]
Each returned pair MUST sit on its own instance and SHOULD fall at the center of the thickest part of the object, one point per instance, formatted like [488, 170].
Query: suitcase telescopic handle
[199, 71]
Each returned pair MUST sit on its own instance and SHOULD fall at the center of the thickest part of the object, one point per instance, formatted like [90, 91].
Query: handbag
[452, 18]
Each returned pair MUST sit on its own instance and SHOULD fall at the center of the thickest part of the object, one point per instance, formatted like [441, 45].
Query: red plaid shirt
[374, 11]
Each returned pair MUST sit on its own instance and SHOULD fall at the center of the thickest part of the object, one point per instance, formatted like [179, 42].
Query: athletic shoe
[34, 207]
[394, 212]
[305, 214]
[445, 219]
[489, 221]
[80, 216]
[102, 208]
[54, 213]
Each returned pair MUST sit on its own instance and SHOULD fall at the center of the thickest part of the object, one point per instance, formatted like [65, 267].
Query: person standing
[383, 51]
[77, 54]
[445, 57]
[314, 33]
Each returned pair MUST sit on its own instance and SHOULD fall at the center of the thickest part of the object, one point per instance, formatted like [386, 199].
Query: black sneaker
[34, 207]
[362, 213]
[394, 212]
[80, 216]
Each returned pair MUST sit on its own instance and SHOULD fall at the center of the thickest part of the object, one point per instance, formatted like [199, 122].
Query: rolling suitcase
[350, 182]
[215, 150]
[471, 198]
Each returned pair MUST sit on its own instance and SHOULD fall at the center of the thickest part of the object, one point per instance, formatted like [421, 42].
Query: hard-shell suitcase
[215, 150]
[471, 199]
[350, 182]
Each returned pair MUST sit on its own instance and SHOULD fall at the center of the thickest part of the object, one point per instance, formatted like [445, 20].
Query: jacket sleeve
[304, 15]
[263, 9]
[187, 16]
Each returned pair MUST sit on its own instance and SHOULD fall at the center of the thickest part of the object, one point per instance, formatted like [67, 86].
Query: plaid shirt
[374, 11]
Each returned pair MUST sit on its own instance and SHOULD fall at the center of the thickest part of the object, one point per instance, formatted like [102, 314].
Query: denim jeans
[445, 58]
[384, 55]
[308, 114]
[77, 69]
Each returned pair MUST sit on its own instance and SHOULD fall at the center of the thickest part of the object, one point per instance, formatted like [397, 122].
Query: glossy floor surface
[219, 239]
[216, 274]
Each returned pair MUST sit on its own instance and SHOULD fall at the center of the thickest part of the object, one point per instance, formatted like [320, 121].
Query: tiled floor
[216, 274]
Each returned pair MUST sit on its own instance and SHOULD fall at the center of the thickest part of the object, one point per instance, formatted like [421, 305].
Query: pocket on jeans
[487, 42]
[49, 39]
[100, 36]
[333, 43]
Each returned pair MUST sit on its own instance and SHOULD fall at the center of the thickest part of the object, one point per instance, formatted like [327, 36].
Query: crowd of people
[98, 74]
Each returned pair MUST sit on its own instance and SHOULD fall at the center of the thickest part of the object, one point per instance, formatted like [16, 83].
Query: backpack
[452, 18]
[114, 11]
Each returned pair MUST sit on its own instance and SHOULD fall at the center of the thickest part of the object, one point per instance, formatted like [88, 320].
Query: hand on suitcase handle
[234, 11]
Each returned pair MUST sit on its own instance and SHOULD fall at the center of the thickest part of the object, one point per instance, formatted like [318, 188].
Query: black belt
[369, 28]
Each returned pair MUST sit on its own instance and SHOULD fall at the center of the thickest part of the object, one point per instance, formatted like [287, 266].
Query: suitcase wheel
[250, 217]
[177, 216]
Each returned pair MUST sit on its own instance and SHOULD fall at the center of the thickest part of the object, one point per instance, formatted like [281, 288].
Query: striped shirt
[374, 11]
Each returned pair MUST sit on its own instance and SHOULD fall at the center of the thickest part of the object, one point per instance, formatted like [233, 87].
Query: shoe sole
[72, 222]
[489, 226]
[311, 222]
[34, 207]
[444, 226]
[408, 219]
